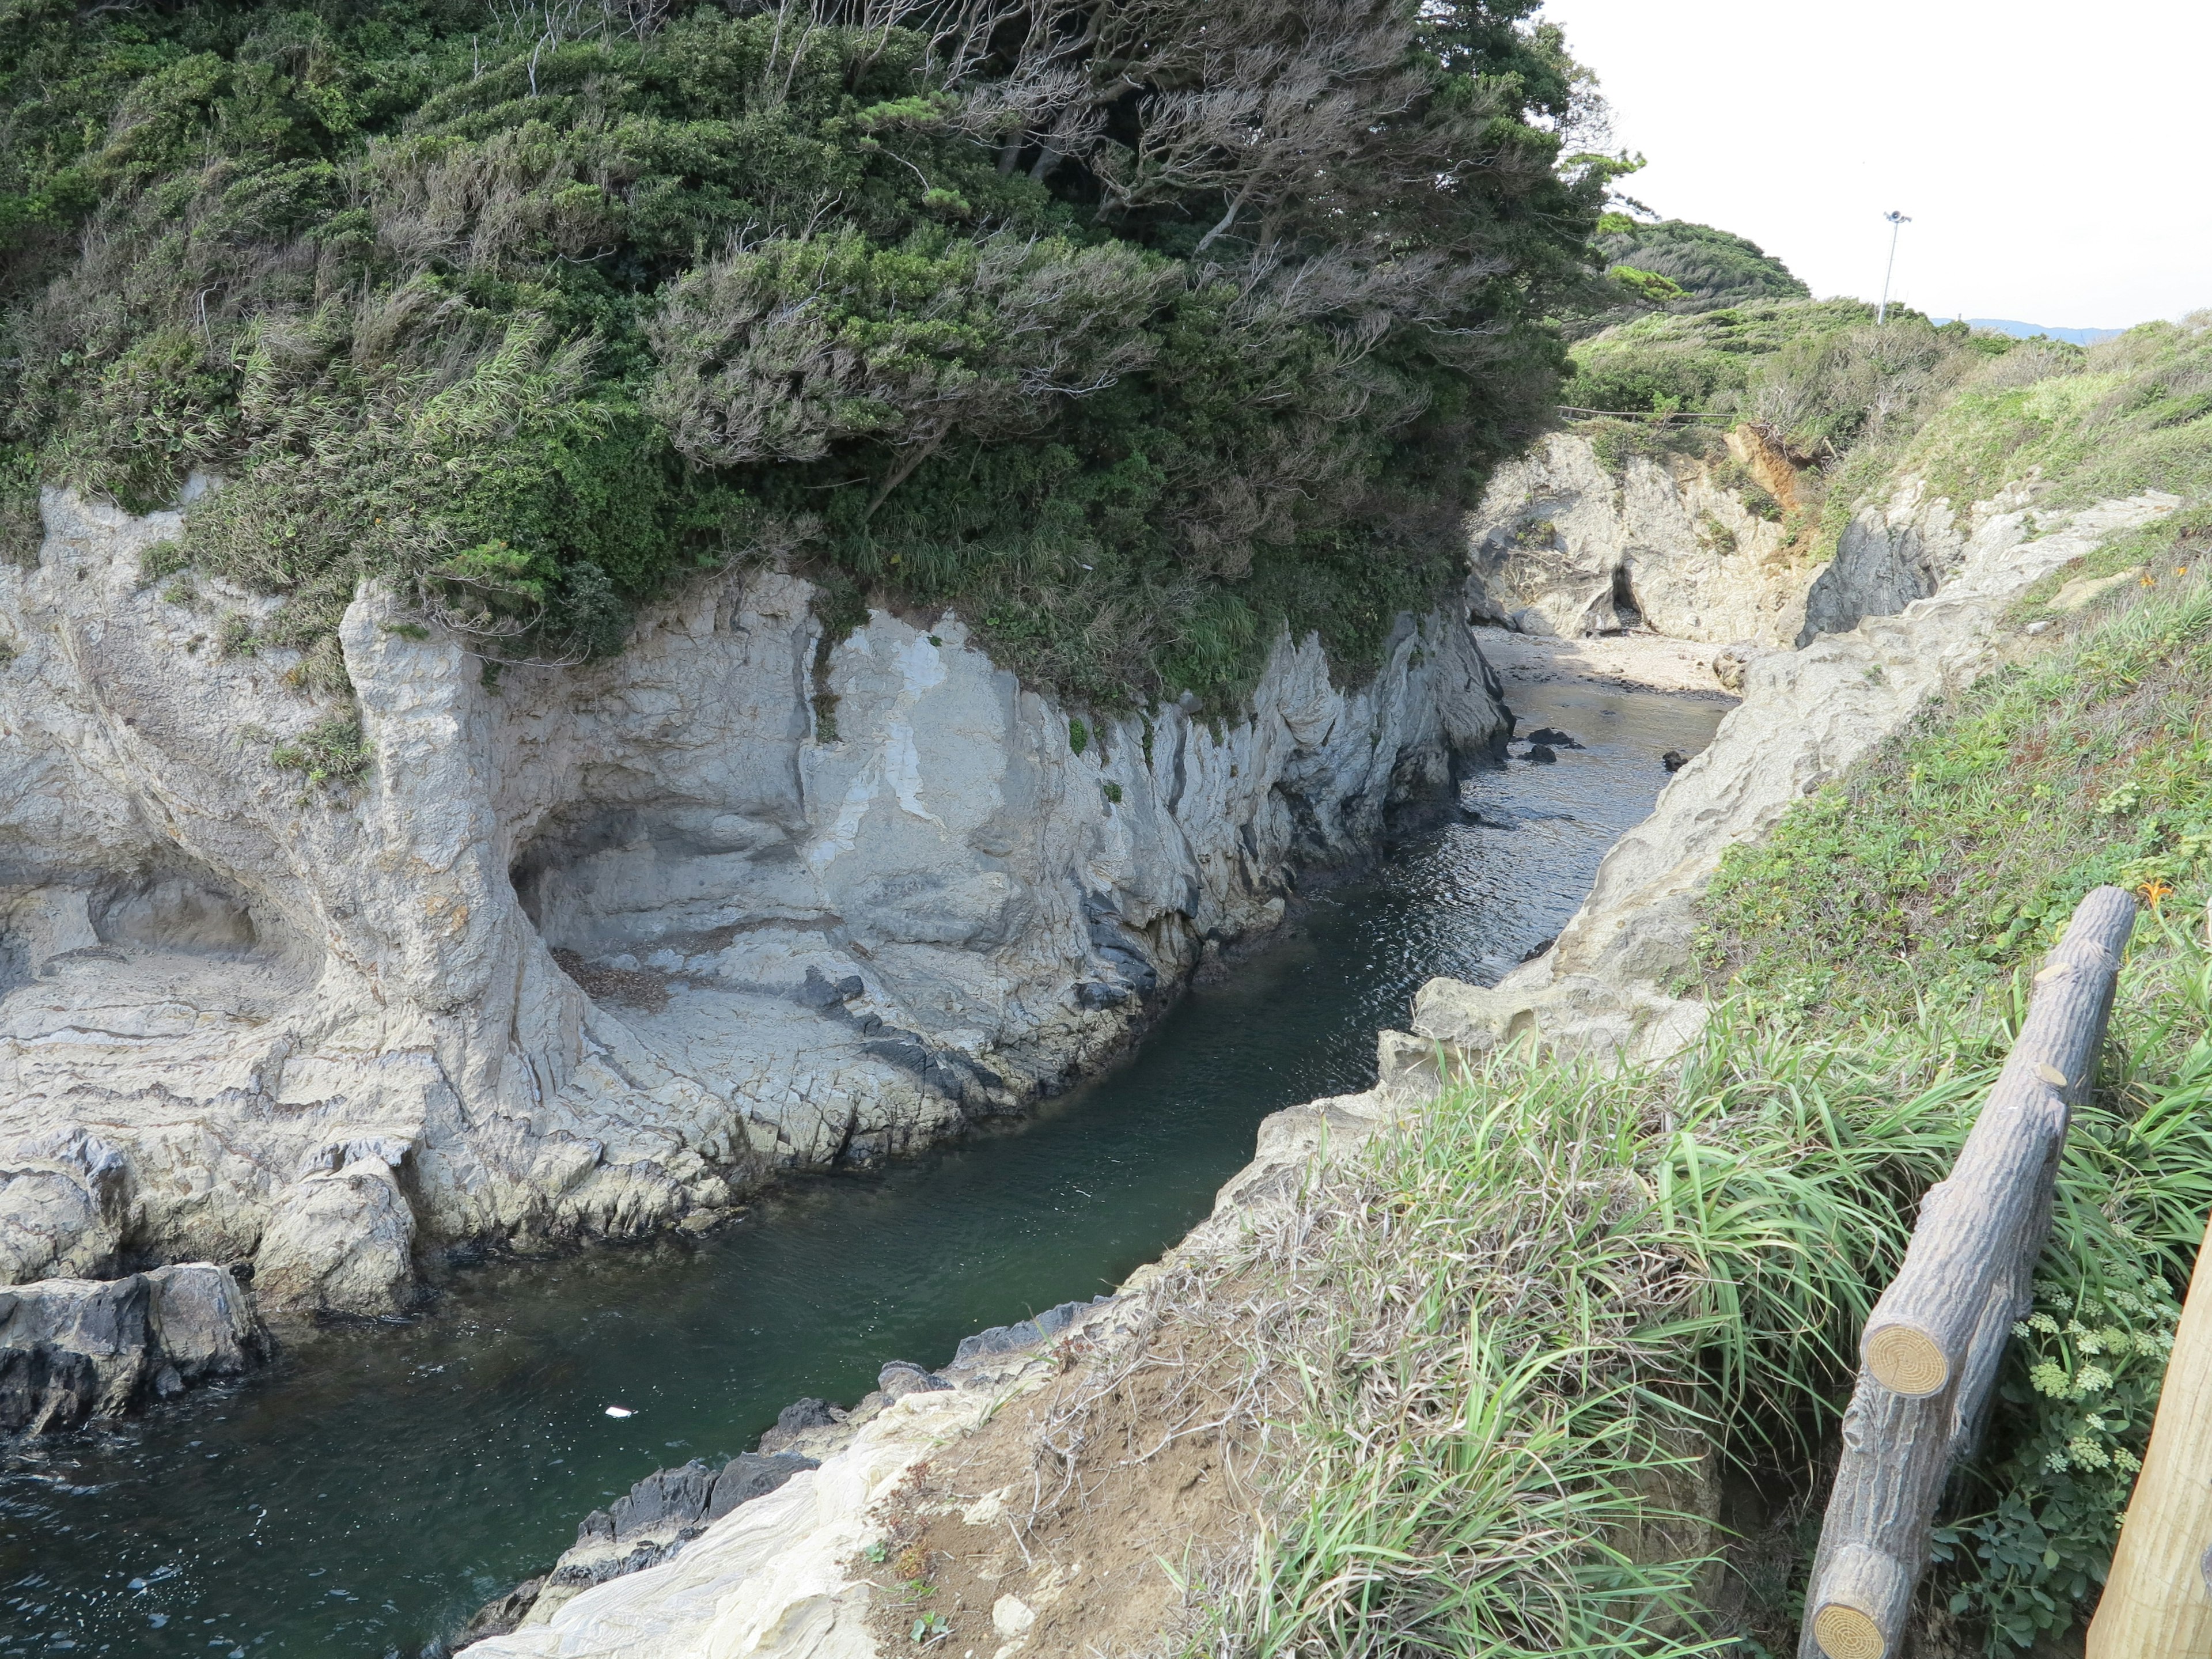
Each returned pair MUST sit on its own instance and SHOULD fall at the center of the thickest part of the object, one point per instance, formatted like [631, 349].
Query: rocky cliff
[1564, 544]
[791, 1575]
[587, 950]
[1807, 716]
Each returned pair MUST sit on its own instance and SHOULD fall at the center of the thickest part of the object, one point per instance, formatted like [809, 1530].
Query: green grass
[2127, 414]
[1502, 1336]
[1956, 852]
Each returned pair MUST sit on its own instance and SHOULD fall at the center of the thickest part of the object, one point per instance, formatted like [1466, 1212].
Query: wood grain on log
[1918, 1339]
[1931, 1350]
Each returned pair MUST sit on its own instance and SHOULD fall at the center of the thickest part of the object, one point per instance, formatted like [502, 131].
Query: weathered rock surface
[1889, 555]
[73, 1348]
[812, 901]
[664, 1573]
[1560, 545]
[647, 1525]
[777, 1580]
[1806, 716]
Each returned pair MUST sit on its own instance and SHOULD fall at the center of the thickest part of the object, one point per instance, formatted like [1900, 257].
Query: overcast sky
[2049, 156]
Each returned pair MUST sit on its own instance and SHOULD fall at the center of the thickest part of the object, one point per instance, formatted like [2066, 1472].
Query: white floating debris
[620, 1411]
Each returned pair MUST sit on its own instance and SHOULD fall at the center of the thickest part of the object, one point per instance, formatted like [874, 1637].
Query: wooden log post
[1930, 1354]
[2158, 1599]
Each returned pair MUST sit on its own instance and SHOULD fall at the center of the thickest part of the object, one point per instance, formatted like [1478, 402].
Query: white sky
[2049, 155]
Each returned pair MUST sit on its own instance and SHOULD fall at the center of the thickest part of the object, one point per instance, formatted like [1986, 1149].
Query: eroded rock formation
[1806, 716]
[73, 1348]
[1562, 545]
[586, 950]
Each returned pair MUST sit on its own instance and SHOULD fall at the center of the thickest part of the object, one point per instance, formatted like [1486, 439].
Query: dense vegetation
[1136, 330]
[1618, 1267]
[1706, 270]
[1839, 397]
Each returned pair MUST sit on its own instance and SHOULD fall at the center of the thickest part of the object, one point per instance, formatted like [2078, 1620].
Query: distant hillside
[2029, 331]
[1714, 268]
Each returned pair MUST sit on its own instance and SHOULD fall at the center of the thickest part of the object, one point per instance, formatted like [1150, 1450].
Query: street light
[1896, 221]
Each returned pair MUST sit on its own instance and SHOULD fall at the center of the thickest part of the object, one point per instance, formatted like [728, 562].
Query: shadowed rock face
[810, 904]
[74, 1348]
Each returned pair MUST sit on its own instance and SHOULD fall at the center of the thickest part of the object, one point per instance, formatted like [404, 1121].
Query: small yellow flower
[2154, 889]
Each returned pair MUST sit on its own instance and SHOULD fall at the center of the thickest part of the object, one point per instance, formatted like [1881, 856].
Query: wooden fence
[1930, 1350]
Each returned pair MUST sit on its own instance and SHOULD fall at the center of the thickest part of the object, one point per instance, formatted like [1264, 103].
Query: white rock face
[242, 1015]
[1806, 716]
[1560, 545]
[774, 1577]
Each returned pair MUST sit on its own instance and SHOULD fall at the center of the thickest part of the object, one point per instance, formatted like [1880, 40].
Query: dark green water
[374, 1487]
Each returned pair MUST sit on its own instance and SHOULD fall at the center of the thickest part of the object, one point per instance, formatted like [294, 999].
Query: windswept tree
[1137, 330]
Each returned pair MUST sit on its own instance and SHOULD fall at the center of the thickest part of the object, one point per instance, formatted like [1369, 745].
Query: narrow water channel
[374, 1488]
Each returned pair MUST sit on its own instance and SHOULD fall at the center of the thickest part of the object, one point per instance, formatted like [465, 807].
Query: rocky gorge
[556, 953]
[590, 952]
[934, 1474]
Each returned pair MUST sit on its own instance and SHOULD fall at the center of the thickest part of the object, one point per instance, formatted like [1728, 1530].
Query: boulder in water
[73, 1348]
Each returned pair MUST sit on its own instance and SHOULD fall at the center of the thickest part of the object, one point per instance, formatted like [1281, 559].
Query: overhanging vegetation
[1136, 331]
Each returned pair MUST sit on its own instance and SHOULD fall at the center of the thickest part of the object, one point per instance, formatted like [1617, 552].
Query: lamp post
[1896, 221]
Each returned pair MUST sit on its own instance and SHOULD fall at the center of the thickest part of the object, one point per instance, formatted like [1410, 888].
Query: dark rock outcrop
[74, 1348]
[1005, 1338]
[650, 1522]
[795, 1419]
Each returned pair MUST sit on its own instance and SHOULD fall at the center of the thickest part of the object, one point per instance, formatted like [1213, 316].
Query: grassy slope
[1507, 1318]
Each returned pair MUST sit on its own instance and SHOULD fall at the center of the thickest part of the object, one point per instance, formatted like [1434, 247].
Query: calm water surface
[376, 1487]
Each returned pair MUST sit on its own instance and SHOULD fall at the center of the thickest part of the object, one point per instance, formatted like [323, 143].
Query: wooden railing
[1930, 1350]
[1663, 415]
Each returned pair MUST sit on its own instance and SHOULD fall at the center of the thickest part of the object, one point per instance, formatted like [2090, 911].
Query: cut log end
[1846, 1633]
[1907, 1361]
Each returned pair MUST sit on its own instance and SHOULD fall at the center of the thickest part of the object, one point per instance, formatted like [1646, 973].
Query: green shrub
[1709, 269]
[329, 752]
[534, 326]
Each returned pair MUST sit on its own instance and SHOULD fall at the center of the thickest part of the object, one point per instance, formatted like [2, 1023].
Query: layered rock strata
[1561, 544]
[587, 950]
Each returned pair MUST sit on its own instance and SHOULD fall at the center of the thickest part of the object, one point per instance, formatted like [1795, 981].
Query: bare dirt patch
[1070, 1522]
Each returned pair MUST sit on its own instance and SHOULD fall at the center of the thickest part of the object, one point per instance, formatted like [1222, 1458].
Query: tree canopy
[1135, 329]
[1712, 269]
